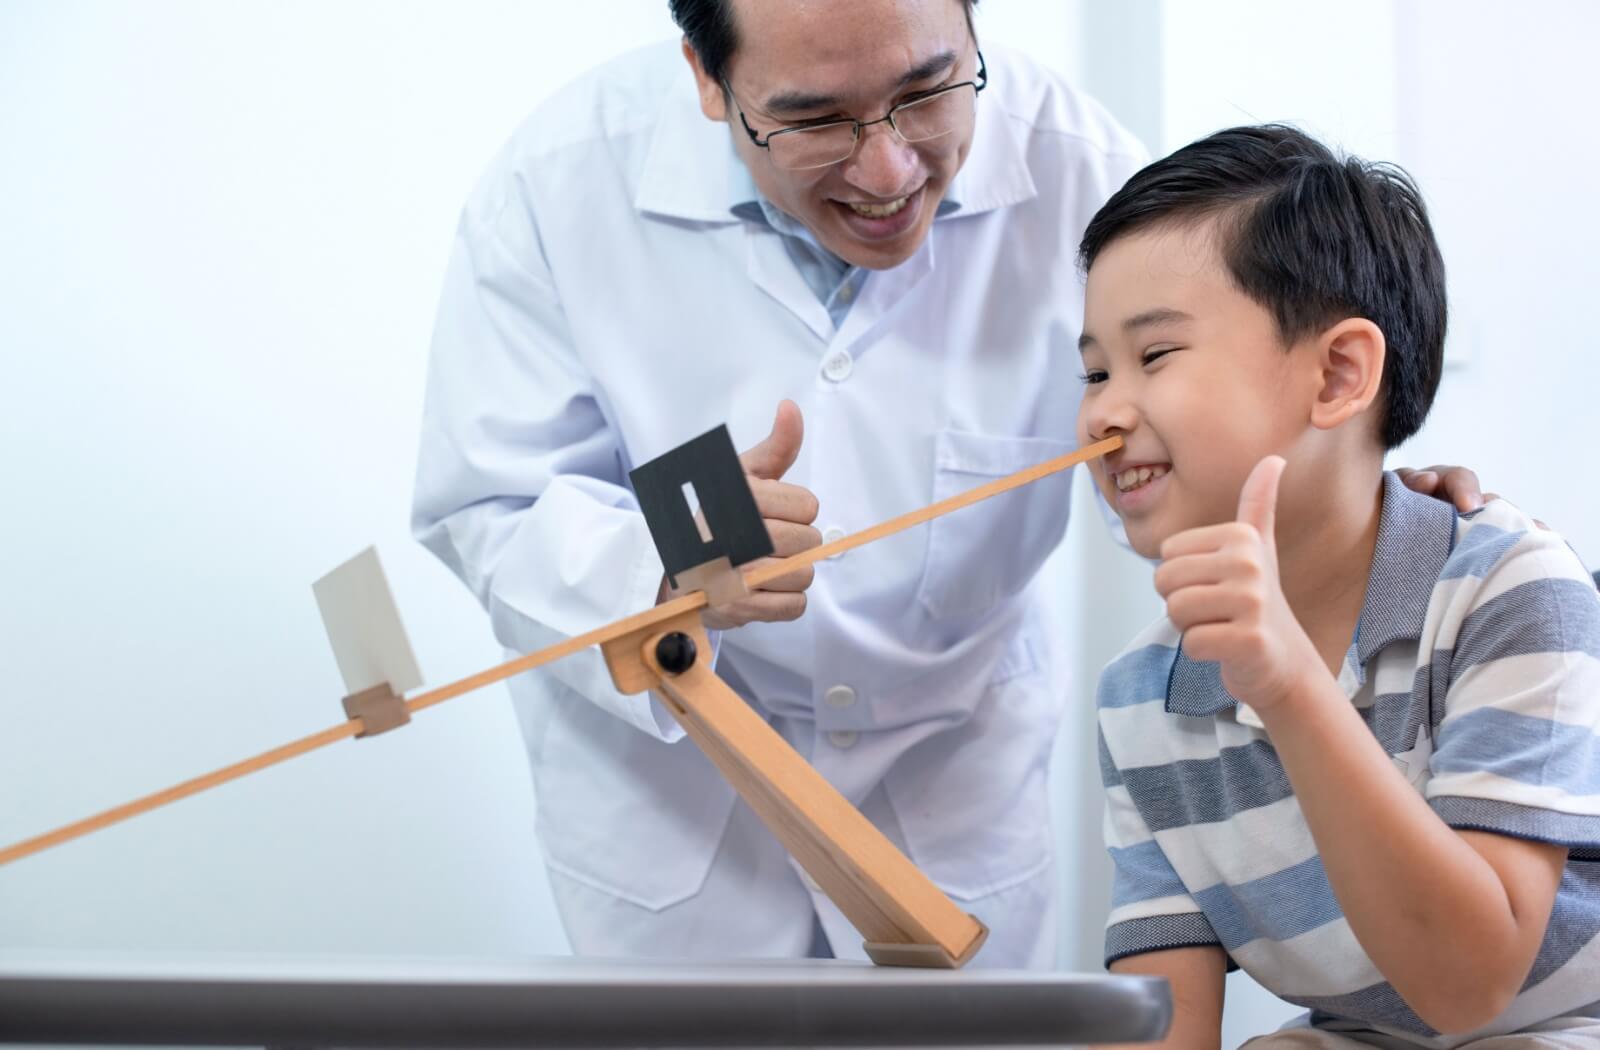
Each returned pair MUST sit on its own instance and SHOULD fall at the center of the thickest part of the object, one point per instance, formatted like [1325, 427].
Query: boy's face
[1192, 373]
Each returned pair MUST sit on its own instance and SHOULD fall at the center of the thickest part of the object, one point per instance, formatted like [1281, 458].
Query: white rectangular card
[369, 641]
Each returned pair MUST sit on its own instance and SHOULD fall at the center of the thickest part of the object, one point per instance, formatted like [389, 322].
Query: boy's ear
[1350, 359]
[713, 103]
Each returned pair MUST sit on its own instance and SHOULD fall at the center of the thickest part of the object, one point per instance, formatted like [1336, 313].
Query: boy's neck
[1325, 556]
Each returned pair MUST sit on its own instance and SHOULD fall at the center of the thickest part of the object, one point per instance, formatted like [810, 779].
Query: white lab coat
[602, 305]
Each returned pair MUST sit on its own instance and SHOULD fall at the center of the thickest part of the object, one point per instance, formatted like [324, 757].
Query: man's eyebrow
[808, 101]
[929, 68]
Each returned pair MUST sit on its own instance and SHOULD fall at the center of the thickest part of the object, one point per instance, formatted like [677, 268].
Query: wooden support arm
[905, 918]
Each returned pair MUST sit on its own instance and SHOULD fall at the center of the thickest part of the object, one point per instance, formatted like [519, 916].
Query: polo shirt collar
[1415, 536]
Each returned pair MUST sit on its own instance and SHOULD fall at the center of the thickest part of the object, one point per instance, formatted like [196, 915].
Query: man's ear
[713, 102]
[1350, 359]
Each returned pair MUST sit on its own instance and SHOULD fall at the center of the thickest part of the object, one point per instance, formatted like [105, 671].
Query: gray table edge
[584, 1003]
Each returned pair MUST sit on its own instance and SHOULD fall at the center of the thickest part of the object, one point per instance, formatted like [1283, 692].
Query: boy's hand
[1221, 587]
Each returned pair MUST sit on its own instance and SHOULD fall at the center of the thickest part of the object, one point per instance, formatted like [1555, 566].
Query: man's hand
[1456, 485]
[1221, 587]
[788, 511]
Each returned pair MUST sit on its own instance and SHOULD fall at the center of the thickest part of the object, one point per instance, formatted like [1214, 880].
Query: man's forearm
[1430, 912]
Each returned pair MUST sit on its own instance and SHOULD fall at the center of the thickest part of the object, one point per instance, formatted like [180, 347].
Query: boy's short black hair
[1314, 238]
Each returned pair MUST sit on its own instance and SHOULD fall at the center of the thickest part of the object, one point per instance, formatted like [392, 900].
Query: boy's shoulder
[1500, 532]
[1504, 566]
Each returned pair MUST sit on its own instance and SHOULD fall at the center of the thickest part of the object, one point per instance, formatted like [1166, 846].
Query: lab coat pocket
[971, 800]
[623, 812]
[985, 552]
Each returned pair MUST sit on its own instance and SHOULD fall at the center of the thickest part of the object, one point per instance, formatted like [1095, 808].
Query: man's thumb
[1258, 500]
[777, 452]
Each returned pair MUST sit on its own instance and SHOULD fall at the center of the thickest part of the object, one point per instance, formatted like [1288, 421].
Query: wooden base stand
[905, 918]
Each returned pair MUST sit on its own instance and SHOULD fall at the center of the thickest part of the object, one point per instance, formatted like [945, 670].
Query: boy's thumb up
[1258, 500]
[776, 453]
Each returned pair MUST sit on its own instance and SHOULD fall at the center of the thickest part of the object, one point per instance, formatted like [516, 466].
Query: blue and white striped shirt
[1476, 664]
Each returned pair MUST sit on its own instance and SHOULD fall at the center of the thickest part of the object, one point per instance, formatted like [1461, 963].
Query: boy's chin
[1145, 541]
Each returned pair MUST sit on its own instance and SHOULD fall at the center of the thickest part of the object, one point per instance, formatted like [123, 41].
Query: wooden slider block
[718, 578]
[379, 709]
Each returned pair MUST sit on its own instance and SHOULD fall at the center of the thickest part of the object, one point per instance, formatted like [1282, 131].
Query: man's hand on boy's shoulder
[1222, 592]
[1456, 485]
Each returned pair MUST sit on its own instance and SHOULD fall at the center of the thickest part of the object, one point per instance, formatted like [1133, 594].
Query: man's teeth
[879, 211]
[1133, 477]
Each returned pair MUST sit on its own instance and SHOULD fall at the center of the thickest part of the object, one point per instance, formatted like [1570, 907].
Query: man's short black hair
[1311, 236]
[708, 26]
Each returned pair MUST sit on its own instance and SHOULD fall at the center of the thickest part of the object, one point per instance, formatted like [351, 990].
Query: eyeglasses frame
[978, 83]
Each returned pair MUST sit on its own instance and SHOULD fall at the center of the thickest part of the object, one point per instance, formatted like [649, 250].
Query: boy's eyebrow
[1158, 315]
[1154, 316]
[801, 101]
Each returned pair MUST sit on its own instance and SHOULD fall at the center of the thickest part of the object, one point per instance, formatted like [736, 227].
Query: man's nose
[883, 164]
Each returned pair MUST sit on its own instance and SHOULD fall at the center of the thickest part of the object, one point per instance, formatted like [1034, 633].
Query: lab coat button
[843, 738]
[837, 366]
[831, 534]
[840, 696]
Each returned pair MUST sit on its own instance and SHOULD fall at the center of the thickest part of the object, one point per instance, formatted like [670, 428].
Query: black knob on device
[675, 653]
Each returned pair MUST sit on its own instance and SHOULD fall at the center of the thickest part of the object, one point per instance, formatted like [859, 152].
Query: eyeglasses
[921, 119]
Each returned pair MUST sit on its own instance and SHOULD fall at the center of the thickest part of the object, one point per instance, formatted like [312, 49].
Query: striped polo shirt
[1476, 664]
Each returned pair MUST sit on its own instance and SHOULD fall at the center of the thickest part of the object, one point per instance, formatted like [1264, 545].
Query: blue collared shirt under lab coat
[605, 302]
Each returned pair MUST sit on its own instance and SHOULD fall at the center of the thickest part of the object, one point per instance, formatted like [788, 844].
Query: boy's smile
[1191, 372]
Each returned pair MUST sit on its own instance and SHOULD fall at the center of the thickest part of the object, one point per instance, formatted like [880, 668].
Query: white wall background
[222, 229]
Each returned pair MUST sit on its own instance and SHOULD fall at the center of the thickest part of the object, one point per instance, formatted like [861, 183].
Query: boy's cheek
[1082, 427]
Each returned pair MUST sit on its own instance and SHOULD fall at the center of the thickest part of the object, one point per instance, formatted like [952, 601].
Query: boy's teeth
[1133, 477]
[879, 211]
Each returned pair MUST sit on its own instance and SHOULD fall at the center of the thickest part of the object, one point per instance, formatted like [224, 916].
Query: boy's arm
[1155, 926]
[1196, 976]
[1452, 919]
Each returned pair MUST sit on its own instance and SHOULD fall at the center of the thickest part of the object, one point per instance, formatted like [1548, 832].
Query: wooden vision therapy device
[905, 918]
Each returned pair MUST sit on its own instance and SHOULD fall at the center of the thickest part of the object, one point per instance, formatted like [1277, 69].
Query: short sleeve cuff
[1158, 933]
[1573, 830]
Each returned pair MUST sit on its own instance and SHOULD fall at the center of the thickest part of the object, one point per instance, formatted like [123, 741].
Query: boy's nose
[1106, 415]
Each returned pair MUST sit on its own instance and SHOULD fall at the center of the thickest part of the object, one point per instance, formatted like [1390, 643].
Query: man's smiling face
[806, 61]
[1194, 376]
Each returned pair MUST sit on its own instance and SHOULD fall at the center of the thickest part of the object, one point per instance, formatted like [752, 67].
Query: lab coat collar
[687, 171]
[996, 173]
[692, 171]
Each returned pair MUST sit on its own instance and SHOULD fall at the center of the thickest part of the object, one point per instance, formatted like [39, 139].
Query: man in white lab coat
[839, 204]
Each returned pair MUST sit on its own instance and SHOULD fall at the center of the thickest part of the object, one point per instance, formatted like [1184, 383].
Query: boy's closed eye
[1149, 357]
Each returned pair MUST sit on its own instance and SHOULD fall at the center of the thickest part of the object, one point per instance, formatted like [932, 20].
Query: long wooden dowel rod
[664, 611]
[222, 776]
[756, 577]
